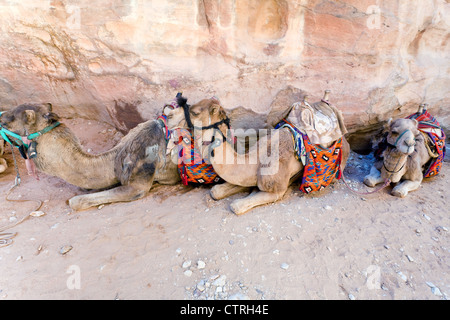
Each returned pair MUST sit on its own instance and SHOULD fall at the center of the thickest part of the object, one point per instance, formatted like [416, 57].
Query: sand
[178, 243]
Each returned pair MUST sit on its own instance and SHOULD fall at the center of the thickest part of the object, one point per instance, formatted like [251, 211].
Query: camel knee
[3, 165]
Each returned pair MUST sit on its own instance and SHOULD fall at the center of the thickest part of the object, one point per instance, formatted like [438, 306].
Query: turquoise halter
[5, 133]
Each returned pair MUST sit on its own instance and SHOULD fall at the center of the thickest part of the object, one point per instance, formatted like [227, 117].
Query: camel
[124, 173]
[271, 172]
[405, 156]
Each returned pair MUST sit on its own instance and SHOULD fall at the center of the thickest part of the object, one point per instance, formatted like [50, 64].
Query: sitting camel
[407, 154]
[3, 164]
[129, 169]
[272, 172]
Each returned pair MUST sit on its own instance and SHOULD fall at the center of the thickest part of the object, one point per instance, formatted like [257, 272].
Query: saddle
[434, 136]
[311, 127]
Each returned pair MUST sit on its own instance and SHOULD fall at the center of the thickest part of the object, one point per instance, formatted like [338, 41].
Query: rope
[385, 184]
[6, 239]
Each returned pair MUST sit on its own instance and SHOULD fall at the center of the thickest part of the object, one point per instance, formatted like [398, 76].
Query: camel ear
[387, 125]
[215, 109]
[30, 116]
[49, 107]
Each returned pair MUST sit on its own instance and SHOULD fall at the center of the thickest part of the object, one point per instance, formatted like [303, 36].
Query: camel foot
[3, 165]
[225, 190]
[399, 193]
[119, 194]
[405, 187]
[241, 206]
[373, 178]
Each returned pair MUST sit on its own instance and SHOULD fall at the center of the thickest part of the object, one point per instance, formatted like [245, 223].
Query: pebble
[435, 290]
[188, 273]
[187, 264]
[201, 264]
[284, 266]
[410, 258]
[220, 281]
[65, 249]
[351, 296]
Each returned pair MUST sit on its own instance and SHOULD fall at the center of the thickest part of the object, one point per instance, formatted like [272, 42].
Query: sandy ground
[178, 243]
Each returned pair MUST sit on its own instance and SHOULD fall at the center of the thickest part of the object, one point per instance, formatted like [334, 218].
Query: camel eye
[195, 113]
[394, 133]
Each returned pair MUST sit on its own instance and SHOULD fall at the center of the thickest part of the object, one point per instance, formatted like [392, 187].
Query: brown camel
[405, 157]
[271, 164]
[127, 171]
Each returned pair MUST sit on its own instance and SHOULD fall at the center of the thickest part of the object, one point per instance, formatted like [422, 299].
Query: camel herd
[147, 154]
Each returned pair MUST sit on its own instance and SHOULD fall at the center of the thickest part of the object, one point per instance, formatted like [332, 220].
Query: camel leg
[119, 194]
[226, 190]
[3, 165]
[373, 178]
[255, 199]
[406, 186]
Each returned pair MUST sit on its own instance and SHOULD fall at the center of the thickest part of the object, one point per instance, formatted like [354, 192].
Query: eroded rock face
[119, 61]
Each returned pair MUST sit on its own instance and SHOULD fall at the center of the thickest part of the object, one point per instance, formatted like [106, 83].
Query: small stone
[404, 278]
[284, 266]
[436, 291]
[410, 258]
[220, 281]
[201, 264]
[188, 273]
[187, 264]
[65, 249]
[328, 208]
[351, 296]
[200, 287]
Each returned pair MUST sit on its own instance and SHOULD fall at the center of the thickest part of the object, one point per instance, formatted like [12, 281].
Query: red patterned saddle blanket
[431, 129]
[193, 169]
[321, 165]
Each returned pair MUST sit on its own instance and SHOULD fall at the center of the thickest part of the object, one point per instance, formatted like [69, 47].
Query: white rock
[188, 273]
[187, 264]
[220, 282]
[201, 264]
[284, 266]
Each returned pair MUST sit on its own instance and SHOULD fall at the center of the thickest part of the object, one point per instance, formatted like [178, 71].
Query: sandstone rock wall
[119, 60]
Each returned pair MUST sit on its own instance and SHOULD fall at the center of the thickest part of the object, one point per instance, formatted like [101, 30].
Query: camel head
[28, 118]
[202, 116]
[402, 135]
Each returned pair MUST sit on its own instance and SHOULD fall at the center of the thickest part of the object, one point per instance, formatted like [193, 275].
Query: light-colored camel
[402, 160]
[271, 164]
[127, 171]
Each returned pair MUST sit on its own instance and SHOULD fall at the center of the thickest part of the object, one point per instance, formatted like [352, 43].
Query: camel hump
[141, 157]
[321, 121]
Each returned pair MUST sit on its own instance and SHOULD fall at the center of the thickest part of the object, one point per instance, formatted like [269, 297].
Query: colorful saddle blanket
[431, 128]
[191, 166]
[321, 165]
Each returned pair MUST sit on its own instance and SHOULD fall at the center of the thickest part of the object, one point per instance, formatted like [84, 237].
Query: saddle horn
[423, 107]
[326, 95]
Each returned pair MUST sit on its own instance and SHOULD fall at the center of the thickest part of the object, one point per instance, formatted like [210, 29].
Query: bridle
[216, 125]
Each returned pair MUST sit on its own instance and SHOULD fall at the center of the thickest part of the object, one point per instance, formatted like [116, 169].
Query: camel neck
[60, 154]
[235, 168]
